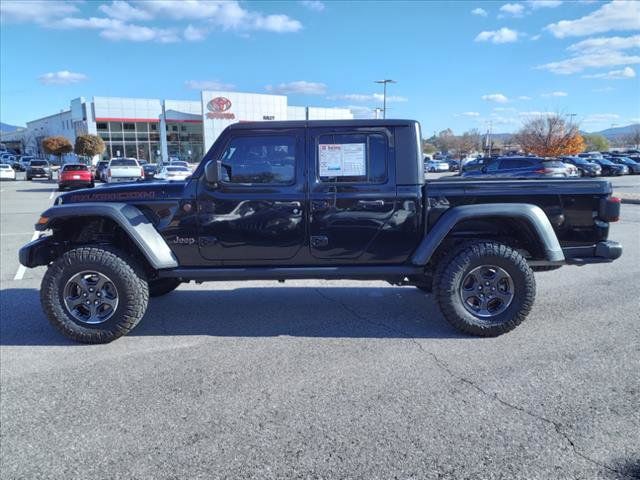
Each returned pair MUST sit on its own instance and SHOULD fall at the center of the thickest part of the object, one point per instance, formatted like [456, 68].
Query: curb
[632, 201]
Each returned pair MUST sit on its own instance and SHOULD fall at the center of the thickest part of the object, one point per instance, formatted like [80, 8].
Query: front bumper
[37, 252]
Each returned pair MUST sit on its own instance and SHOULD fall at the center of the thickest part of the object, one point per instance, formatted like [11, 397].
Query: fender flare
[532, 214]
[135, 224]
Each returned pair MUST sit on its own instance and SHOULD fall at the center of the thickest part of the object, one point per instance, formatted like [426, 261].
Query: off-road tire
[451, 272]
[162, 286]
[127, 276]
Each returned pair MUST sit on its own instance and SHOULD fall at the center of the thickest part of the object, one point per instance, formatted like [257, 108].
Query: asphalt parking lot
[315, 379]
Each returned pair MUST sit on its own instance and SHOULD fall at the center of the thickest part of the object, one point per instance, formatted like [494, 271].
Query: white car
[437, 166]
[173, 173]
[124, 170]
[572, 170]
[6, 172]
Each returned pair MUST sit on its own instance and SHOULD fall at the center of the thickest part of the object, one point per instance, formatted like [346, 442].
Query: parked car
[150, 170]
[436, 166]
[520, 167]
[572, 170]
[609, 168]
[585, 167]
[173, 172]
[633, 166]
[454, 165]
[124, 170]
[101, 170]
[179, 163]
[477, 250]
[21, 163]
[75, 175]
[476, 164]
[7, 172]
[38, 169]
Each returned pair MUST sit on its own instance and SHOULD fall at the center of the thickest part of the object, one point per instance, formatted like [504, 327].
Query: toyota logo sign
[219, 104]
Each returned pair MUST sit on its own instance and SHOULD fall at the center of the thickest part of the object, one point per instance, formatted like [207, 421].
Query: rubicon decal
[115, 196]
[218, 108]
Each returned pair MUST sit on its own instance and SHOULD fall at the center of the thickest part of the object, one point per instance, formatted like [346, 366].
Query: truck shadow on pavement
[329, 312]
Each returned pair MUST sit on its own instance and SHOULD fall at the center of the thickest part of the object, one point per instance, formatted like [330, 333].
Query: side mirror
[212, 171]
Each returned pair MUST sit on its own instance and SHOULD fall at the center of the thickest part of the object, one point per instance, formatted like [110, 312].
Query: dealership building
[154, 129]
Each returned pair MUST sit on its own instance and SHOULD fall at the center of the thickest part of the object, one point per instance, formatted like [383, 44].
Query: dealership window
[129, 126]
[260, 160]
[102, 126]
[115, 126]
[352, 158]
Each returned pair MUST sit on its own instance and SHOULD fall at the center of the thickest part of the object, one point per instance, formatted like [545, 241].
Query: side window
[493, 166]
[260, 159]
[352, 158]
[515, 163]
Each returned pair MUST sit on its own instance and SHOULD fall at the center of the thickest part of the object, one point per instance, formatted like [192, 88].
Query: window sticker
[342, 159]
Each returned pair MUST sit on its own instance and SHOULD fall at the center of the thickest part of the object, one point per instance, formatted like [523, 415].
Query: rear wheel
[485, 288]
[94, 295]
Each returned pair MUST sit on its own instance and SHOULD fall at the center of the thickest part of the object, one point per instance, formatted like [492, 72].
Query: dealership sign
[218, 108]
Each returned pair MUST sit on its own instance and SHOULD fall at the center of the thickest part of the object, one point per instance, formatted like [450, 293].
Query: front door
[258, 210]
[352, 192]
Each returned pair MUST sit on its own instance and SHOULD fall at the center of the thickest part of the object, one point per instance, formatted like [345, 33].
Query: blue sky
[458, 64]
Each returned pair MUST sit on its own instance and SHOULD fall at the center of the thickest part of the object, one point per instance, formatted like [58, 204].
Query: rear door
[257, 212]
[352, 191]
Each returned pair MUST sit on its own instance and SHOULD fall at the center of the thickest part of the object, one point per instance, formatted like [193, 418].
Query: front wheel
[485, 288]
[94, 295]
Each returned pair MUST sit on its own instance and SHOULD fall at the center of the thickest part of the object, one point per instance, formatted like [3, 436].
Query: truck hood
[125, 193]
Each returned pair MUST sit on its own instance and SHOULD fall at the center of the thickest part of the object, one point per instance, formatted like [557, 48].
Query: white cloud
[603, 89]
[139, 33]
[625, 73]
[481, 12]
[63, 77]
[635, 120]
[515, 9]
[504, 109]
[605, 44]
[601, 117]
[592, 60]
[495, 97]
[535, 114]
[524, 97]
[38, 11]
[300, 86]
[374, 97]
[208, 85]
[535, 37]
[554, 94]
[616, 15]
[314, 5]
[469, 114]
[194, 34]
[121, 10]
[536, 4]
[504, 35]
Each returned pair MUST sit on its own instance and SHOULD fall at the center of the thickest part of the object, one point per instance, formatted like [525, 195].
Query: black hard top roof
[321, 123]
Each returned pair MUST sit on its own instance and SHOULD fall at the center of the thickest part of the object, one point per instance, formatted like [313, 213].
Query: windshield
[4, 166]
[124, 162]
[177, 169]
[74, 168]
[38, 163]
[604, 161]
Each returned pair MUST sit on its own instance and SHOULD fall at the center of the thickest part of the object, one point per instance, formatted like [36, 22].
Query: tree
[446, 140]
[596, 142]
[57, 146]
[549, 136]
[633, 139]
[428, 148]
[576, 145]
[469, 141]
[89, 145]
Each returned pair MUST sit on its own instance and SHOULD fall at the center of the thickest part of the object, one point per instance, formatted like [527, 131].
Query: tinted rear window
[75, 168]
[178, 169]
[38, 163]
[124, 163]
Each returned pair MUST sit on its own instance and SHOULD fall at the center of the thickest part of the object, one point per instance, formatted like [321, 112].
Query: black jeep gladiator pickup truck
[316, 200]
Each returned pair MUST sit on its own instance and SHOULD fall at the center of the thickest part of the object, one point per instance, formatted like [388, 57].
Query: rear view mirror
[212, 171]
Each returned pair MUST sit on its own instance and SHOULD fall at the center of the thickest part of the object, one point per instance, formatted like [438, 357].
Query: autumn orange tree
[57, 145]
[550, 136]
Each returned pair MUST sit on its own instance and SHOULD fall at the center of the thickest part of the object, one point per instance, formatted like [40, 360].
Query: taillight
[610, 209]
[544, 170]
[141, 172]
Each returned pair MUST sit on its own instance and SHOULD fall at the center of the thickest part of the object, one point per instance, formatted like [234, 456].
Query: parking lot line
[22, 269]
[53, 192]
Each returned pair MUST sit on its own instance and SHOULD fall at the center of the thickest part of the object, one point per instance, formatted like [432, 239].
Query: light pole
[384, 95]
[571, 115]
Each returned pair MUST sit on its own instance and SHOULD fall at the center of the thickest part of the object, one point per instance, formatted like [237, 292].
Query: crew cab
[124, 170]
[343, 199]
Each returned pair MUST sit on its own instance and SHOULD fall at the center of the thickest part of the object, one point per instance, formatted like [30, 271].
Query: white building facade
[154, 129]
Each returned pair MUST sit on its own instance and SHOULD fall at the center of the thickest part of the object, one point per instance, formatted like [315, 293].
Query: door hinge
[318, 241]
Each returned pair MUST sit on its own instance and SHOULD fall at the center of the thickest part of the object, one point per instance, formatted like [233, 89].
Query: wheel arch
[127, 219]
[527, 223]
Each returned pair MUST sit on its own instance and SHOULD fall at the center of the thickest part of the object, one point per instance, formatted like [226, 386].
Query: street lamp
[384, 96]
